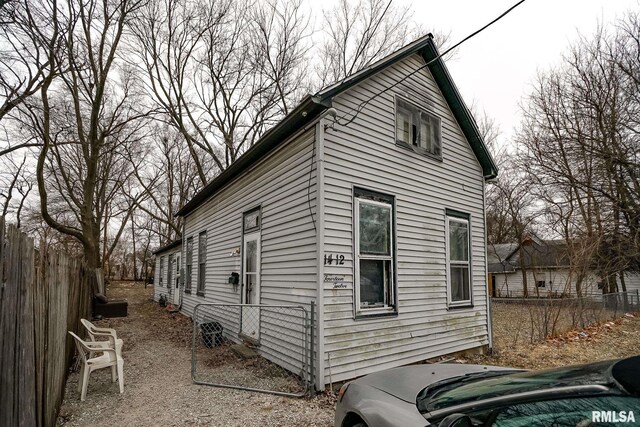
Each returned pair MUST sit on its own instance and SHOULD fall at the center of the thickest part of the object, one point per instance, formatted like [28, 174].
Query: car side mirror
[456, 420]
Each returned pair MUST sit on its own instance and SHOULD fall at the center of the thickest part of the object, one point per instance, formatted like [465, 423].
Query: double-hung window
[374, 250]
[187, 282]
[202, 261]
[161, 271]
[170, 269]
[417, 129]
[458, 260]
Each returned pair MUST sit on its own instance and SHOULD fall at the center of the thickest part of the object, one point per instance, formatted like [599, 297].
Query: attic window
[417, 129]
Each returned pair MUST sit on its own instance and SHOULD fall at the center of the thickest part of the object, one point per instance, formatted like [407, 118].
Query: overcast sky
[495, 68]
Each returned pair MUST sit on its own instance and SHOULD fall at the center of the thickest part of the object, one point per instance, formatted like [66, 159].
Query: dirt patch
[221, 365]
[158, 386]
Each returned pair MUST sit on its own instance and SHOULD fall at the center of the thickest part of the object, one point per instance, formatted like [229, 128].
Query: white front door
[251, 285]
[176, 280]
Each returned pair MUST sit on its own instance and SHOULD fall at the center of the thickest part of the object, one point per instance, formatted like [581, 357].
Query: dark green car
[445, 395]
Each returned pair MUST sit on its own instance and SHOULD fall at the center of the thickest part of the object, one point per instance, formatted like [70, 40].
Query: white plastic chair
[109, 358]
[95, 332]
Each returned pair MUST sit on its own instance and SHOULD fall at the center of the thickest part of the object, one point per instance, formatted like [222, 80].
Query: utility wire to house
[357, 110]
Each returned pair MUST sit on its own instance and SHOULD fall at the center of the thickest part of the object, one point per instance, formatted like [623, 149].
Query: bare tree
[281, 33]
[16, 183]
[169, 180]
[26, 37]
[221, 72]
[360, 33]
[84, 122]
[31, 37]
[581, 147]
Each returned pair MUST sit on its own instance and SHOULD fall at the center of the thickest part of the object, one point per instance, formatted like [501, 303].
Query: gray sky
[494, 69]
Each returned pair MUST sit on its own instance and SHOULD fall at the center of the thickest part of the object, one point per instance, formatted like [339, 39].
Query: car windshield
[454, 393]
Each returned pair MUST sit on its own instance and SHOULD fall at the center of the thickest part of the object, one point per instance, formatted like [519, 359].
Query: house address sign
[334, 259]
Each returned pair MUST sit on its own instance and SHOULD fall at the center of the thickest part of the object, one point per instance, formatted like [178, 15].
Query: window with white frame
[374, 250]
[458, 259]
[161, 271]
[189, 265]
[417, 128]
[202, 261]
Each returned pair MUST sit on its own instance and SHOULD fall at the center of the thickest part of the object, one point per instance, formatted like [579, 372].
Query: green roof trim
[168, 246]
[308, 109]
[314, 105]
[460, 111]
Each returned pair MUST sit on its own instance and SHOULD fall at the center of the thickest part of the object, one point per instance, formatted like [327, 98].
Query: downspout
[486, 269]
[319, 141]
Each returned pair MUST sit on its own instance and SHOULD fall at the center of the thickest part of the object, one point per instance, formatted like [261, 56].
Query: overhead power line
[360, 106]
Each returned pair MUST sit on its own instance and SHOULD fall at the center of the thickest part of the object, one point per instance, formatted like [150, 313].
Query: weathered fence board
[43, 294]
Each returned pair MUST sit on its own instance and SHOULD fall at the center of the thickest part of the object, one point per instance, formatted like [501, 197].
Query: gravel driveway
[158, 388]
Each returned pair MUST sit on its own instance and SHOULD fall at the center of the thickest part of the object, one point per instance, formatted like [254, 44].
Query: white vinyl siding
[161, 278]
[559, 282]
[365, 154]
[284, 186]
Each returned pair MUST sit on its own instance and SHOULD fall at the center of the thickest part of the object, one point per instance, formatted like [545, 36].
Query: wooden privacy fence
[43, 294]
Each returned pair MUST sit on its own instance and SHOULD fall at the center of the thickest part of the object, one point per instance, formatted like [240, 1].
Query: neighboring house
[167, 272]
[548, 270]
[378, 218]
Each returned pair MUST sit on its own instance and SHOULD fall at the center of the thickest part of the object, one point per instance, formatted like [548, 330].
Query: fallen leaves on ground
[613, 339]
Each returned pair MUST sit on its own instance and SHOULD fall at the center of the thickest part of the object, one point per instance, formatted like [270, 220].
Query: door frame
[177, 296]
[254, 235]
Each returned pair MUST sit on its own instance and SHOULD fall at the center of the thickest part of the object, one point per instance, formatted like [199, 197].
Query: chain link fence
[529, 320]
[264, 348]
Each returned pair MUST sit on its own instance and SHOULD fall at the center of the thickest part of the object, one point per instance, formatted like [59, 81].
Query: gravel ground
[158, 387]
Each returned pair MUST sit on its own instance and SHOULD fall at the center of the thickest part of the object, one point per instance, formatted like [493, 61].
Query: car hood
[405, 383]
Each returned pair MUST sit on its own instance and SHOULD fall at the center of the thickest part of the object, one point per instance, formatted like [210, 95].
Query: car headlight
[342, 391]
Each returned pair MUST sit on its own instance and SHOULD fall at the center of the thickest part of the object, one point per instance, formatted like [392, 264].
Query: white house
[548, 270]
[368, 199]
[167, 272]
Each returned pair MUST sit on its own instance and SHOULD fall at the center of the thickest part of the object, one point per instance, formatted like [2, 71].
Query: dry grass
[513, 333]
[517, 323]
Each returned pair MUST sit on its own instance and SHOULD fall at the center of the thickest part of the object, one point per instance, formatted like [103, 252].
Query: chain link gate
[255, 347]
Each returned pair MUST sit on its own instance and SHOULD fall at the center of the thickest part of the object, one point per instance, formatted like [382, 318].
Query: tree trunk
[623, 287]
[133, 239]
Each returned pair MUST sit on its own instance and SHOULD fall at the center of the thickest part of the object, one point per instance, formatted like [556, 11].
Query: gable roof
[313, 106]
[498, 257]
[536, 253]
